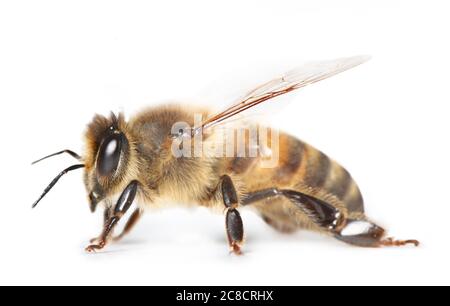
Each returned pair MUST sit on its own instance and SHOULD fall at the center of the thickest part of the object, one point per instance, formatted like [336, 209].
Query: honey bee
[138, 161]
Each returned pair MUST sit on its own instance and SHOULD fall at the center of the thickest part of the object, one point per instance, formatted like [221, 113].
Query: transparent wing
[309, 73]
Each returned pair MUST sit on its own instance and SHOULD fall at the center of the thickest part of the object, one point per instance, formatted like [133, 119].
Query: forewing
[309, 73]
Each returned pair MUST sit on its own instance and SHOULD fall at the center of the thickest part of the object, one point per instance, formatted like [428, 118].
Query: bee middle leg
[113, 216]
[233, 223]
[134, 218]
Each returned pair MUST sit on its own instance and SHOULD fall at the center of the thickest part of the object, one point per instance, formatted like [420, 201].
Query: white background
[386, 121]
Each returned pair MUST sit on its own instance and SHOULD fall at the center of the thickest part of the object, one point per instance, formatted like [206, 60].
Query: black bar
[235, 295]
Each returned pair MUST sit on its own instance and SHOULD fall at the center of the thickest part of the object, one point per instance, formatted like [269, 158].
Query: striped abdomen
[304, 168]
[308, 167]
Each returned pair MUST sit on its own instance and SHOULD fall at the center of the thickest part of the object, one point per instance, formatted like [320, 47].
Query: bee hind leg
[359, 232]
[321, 213]
[364, 233]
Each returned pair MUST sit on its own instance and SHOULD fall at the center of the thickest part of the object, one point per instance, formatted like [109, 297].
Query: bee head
[107, 157]
[106, 160]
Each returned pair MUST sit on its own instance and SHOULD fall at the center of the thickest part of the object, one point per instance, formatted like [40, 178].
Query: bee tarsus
[365, 233]
[392, 242]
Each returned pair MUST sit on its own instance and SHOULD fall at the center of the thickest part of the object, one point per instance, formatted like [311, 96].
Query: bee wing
[309, 73]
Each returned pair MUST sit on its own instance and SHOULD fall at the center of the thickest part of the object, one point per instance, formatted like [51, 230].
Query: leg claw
[235, 249]
[93, 248]
[393, 242]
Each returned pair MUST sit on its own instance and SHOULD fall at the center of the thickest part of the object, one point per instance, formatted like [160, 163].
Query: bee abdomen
[240, 165]
[353, 199]
[317, 168]
[292, 156]
[319, 172]
[340, 183]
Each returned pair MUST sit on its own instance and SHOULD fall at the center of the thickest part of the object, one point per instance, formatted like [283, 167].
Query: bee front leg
[120, 209]
[233, 221]
[106, 216]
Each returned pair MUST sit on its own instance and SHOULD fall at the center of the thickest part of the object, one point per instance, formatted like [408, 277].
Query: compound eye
[109, 155]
